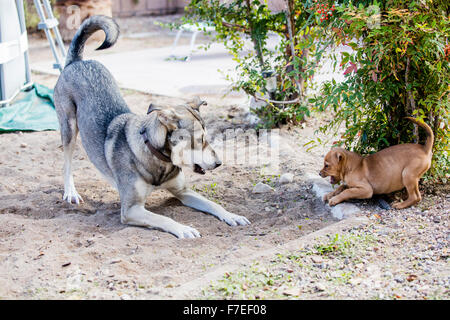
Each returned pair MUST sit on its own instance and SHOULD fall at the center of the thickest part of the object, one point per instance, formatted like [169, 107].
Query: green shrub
[399, 68]
[239, 20]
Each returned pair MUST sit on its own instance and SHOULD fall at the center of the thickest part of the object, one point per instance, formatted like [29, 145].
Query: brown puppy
[386, 171]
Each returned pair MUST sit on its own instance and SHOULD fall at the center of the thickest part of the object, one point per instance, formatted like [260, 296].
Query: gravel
[399, 254]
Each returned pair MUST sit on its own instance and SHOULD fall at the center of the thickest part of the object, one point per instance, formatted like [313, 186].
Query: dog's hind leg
[69, 131]
[192, 199]
[133, 212]
[411, 183]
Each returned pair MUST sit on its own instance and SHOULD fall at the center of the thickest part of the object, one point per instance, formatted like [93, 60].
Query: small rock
[23, 145]
[262, 188]
[372, 268]
[437, 219]
[292, 292]
[114, 261]
[411, 277]
[286, 178]
[399, 280]
[355, 281]
[317, 259]
[267, 209]
[320, 287]
[423, 288]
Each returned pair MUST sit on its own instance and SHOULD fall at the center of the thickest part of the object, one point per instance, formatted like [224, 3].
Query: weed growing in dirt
[209, 191]
[269, 179]
[287, 275]
[343, 245]
[247, 284]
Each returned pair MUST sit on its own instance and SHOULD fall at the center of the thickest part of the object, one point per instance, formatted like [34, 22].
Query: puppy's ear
[196, 102]
[168, 118]
[340, 156]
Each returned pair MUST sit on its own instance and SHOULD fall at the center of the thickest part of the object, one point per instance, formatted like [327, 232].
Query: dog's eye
[181, 138]
[326, 166]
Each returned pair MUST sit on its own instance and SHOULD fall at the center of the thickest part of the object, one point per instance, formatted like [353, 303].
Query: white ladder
[49, 23]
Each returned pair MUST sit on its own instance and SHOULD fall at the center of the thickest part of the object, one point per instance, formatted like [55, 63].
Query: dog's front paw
[72, 196]
[333, 201]
[327, 197]
[235, 220]
[185, 232]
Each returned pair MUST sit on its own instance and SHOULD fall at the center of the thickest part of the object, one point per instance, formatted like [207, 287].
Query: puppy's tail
[430, 136]
[87, 28]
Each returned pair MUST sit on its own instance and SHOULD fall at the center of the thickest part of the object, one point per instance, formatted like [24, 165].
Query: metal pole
[23, 28]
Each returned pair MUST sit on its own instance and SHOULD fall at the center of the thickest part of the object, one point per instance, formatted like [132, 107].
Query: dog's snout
[321, 173]
[218, 163]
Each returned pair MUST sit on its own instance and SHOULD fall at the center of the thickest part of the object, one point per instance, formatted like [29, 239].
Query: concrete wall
[128, 8]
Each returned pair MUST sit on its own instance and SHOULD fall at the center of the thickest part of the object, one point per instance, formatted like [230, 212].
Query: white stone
[286, 178]
[262, 188]
[344, 210]
[321, 187]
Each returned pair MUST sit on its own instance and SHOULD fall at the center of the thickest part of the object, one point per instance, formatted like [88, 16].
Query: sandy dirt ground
[51, 249]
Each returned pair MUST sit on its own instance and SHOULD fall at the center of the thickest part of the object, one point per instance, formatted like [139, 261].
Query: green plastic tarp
[33, 110]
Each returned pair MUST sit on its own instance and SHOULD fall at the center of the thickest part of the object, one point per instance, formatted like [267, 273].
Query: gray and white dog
[136, 153]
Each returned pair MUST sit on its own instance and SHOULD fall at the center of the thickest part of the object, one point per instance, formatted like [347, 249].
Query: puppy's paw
[398, 205]
[326, 197]
[333, 201]
[72, 196]
[235, 220]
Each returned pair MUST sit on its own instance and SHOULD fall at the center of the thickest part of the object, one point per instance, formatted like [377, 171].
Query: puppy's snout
[321, 174]
[218, 163]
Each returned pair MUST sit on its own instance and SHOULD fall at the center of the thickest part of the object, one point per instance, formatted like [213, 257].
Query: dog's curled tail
[430, 136]
[87, 28]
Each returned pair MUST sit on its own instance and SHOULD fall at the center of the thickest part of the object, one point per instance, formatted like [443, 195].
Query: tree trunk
[73, 12]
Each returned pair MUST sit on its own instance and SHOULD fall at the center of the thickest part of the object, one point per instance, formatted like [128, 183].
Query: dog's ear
[150, 108]
[196, 102]
[153, 107]
[340, 156]
[168, 118]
